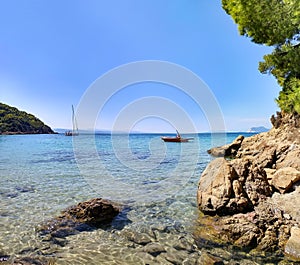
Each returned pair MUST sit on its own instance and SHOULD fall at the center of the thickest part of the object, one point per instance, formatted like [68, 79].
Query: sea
[156, 182]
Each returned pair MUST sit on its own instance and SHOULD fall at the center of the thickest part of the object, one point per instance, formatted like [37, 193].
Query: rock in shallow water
[208, 259]
[95, 212]
[154, 248]
[3, 257]
[28, 261]
[84, 216]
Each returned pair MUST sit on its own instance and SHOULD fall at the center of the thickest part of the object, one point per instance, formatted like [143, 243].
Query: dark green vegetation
[274, 23]
[13, 121]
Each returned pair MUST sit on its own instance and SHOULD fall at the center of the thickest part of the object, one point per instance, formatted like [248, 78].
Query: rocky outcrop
[232, 187]
[283, 119]
[264, 228]
[256, 194]
[228, 150]
[84, 216]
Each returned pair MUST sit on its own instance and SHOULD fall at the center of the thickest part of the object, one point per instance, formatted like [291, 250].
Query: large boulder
[289, 158]
[284, 179]
[94, 212]
[226, 187]
[289, 203]
[84, 216]
[215, 186]
[228, 150]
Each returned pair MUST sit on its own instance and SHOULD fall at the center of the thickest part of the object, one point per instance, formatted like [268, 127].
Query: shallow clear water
[40, 175]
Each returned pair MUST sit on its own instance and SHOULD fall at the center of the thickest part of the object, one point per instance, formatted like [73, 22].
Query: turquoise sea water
[40, 175]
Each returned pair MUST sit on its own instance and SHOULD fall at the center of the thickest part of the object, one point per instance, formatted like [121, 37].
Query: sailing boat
[74, 131]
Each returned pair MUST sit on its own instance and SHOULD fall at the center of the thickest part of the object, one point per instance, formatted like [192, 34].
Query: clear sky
[51, 51]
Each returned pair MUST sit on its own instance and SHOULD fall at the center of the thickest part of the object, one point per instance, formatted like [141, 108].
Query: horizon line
[103, 131]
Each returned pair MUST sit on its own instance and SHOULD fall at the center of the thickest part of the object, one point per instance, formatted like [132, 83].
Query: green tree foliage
[274, 23]
[14, 121]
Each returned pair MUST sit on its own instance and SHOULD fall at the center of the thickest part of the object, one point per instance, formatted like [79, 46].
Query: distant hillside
[259, 129]
[13, 121]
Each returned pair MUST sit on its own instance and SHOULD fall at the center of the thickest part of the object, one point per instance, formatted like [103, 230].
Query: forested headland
[14, 121]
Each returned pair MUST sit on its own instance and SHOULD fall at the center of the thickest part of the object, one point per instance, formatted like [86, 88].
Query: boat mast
[74, 122]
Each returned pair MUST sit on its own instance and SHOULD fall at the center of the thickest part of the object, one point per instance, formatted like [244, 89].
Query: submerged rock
[256, 194]
[154, 249]
[3, 257]
[24, 189]
[84, 216]
[27, 261]
[208, 259]
[94, 212]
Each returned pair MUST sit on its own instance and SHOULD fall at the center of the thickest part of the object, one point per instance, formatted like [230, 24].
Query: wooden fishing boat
[177, 139]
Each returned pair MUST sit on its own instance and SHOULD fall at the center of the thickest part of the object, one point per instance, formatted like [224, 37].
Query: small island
[14, 121]
[258, 129]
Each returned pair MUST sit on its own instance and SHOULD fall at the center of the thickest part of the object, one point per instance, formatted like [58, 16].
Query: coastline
[24, 133]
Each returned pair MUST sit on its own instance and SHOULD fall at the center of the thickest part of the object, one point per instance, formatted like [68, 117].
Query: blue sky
[52, 51]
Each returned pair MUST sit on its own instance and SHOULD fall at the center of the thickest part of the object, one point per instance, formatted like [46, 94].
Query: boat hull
[71, 134]
[175, 139]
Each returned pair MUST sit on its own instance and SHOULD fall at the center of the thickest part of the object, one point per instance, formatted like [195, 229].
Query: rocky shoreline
[251, 191]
